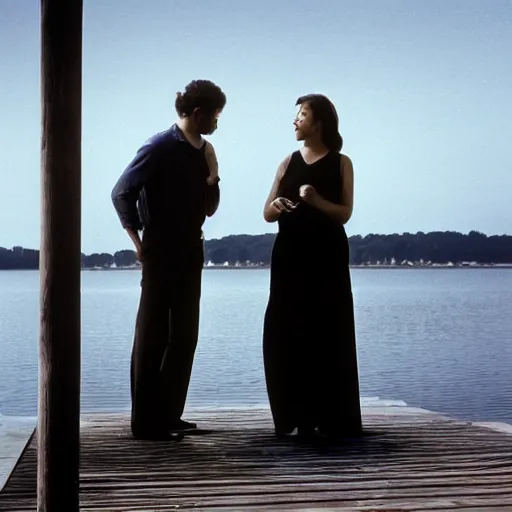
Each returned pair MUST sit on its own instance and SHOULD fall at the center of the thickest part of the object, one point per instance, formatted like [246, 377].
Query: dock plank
[405, 462]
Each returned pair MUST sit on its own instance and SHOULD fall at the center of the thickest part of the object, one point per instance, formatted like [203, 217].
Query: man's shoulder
[162, 140]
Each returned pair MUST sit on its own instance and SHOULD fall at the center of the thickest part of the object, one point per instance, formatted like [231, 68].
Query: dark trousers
[165, 341]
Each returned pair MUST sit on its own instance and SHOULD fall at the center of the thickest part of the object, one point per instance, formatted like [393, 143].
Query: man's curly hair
[201, 94]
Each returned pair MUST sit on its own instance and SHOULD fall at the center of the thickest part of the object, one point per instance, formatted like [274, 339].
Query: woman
[308, 340]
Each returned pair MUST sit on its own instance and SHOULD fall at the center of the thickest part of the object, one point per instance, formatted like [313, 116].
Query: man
[167, 191]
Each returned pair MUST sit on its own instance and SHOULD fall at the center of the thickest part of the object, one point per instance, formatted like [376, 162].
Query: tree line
[428, 248]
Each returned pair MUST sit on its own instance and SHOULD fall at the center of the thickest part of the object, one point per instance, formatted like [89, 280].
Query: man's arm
[213, 164]
[212, 189]
[212, 198]
[125, 193]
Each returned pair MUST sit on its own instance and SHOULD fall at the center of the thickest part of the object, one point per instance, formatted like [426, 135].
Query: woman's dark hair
[324, 112]
[201, 94]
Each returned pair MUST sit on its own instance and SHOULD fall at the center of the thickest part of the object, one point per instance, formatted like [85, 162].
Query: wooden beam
[59, 347]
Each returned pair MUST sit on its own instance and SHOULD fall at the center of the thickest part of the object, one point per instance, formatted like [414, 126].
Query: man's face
[207, 123]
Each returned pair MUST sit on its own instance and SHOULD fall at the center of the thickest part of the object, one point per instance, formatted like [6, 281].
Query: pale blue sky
[423, 90]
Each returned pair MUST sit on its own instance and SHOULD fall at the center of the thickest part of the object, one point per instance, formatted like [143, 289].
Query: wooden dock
[409, 460]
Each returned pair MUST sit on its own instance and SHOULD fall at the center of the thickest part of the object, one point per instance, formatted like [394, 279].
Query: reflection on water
[438, 339]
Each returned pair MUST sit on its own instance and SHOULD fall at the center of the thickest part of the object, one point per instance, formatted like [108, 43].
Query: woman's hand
[308, 194]
[281, 204]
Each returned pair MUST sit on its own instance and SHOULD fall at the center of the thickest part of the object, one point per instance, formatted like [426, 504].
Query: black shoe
[181, 425]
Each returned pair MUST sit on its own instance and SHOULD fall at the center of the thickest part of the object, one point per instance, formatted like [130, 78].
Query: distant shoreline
[498, 266]
[448, 249]
[369, 267]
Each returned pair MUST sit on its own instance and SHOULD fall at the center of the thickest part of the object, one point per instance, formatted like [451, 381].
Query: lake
[438, 339]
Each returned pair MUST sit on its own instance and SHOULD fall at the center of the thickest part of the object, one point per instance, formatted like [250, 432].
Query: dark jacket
[164, 191]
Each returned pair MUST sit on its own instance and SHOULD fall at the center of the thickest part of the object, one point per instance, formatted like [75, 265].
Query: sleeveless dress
[309, 347]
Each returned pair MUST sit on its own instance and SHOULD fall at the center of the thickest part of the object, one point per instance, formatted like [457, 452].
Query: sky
[423, 91]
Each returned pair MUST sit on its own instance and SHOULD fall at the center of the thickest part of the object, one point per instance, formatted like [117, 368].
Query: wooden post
[59, 347]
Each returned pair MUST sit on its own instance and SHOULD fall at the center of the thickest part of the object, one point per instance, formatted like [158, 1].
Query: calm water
[439, 339]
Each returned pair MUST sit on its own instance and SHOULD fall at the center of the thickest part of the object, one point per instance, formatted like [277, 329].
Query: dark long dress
[309, 336]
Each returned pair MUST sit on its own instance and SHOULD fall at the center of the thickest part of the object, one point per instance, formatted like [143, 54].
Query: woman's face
[305, 127]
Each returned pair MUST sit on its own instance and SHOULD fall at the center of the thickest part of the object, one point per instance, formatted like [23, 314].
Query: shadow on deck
[406, 461]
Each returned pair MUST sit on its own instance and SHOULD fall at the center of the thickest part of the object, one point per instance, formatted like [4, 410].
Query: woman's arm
[274, 205]
[339, 212]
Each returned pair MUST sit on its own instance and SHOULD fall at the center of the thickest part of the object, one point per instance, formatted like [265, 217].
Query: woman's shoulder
[341, 160]
[285, 163]
[293, 156]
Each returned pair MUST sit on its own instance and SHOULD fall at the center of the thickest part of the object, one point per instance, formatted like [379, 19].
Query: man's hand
[308, 194]
[139, 253]
[212, 179]
[212, 198]
[134, 235]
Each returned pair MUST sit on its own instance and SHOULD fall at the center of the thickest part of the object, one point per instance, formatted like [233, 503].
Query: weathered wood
[404, 463]
[59, 353]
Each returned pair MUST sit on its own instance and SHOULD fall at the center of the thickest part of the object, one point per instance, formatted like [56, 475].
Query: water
[438, 339]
